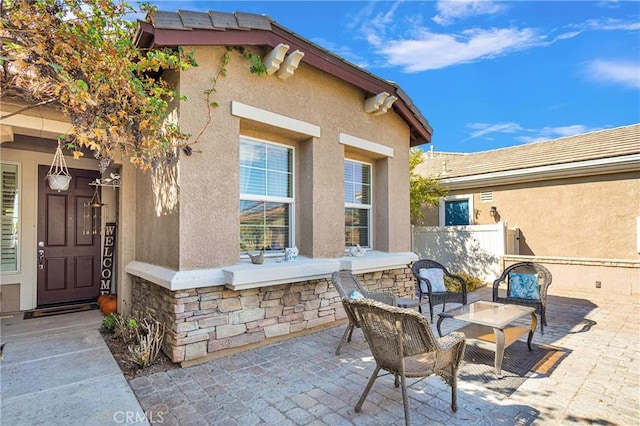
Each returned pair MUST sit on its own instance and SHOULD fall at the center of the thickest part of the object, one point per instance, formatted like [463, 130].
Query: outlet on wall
[598, 284]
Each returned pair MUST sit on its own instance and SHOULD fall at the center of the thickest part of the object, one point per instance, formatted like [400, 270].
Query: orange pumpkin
[110, 304]
[101, 299]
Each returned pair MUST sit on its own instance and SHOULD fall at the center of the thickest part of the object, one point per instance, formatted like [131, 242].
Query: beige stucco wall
[590, 217]
[209, 181]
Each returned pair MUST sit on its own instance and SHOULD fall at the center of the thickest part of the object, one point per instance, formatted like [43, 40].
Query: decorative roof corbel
[273, 59]
[290, 64]
[379, 104]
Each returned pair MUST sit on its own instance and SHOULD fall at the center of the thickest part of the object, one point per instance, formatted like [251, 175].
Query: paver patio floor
[302, 382]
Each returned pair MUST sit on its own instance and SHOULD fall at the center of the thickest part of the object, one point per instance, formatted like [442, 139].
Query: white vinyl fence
[473, 249]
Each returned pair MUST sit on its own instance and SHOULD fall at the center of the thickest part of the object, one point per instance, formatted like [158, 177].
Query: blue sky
[485, 74]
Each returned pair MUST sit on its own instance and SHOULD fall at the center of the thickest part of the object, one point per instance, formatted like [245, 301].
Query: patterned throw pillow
[524, 286]
[356, 295]
[435, 277]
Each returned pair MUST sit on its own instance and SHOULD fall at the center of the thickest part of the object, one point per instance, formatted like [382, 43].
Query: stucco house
[575, 202]
[312, 156]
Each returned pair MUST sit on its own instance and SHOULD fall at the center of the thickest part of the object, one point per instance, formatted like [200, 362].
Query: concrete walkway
[58, 371]
[65, 375]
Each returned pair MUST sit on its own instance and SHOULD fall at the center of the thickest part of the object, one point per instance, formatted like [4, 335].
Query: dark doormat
[518, 365]
[59, 310]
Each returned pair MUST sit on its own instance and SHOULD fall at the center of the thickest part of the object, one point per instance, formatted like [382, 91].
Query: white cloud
[430, 51]
[421, 49]
[452, 10]
[484, 129]
[611, 24]
[548, 133]
[618, 72]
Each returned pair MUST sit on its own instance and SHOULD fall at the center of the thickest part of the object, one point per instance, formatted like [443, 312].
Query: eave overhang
[622, 164]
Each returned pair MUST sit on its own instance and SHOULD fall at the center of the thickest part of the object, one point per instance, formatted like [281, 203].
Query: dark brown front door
[69, 269]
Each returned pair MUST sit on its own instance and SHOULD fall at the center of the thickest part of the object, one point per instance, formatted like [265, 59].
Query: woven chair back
[392, 333]
[346, 283]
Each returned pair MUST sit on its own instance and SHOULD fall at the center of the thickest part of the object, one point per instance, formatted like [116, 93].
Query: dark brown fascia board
[151, 37]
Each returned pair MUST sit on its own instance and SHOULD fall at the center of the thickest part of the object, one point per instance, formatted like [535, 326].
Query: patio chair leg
[431, 310]
[405, 401]
[346, 336]
[373, 378]
[454, 394]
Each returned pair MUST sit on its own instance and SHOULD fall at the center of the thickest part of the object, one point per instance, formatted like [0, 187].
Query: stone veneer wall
[203, 321]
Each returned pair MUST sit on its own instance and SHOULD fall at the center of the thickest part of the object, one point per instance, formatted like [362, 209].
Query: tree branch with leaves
[80, 57]
[423, 190]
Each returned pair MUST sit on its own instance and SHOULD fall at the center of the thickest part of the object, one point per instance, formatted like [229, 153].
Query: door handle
[41, 259]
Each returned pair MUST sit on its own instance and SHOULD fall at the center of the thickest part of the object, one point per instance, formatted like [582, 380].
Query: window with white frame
[266, 195]
[357, 203]
[9, 182]
[456, 210]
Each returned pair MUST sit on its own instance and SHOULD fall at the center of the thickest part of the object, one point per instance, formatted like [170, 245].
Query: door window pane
[456, 212]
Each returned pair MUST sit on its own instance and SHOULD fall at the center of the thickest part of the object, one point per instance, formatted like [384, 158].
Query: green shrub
[472, 283]
[109, 321]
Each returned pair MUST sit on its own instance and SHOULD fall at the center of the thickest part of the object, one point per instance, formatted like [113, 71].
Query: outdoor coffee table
[489, 328]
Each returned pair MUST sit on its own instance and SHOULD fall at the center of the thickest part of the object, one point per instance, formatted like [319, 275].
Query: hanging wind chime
[58, 175]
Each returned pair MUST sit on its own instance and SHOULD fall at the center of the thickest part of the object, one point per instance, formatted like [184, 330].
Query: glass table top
[488, 313]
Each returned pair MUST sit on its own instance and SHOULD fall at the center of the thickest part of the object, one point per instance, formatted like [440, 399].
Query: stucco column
[126, 234]
[320, 198]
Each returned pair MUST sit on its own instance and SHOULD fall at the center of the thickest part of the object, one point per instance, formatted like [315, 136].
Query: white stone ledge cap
[273, 271]
[176, 280]
[376, 261]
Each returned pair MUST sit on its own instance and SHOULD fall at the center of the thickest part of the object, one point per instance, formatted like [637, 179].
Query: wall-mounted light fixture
[273, 59]
[290, 64]
[493, 211]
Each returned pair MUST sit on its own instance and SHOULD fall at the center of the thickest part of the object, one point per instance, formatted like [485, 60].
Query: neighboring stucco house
[575, 201]
[313, 155]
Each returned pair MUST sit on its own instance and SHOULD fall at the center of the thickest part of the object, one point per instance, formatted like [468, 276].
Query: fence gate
[473, 249]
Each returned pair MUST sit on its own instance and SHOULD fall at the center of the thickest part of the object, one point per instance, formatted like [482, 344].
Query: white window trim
[249, 112]
[461, 197]
[271, 199]
[364, 206]
[365, 145]
[20, 242]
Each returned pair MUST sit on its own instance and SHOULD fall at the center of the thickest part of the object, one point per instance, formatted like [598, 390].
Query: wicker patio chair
[425, 291]
[509, 296]
[346, 283]
[403, 344]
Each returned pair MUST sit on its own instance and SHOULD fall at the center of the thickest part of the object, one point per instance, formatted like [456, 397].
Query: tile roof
[616, 142]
